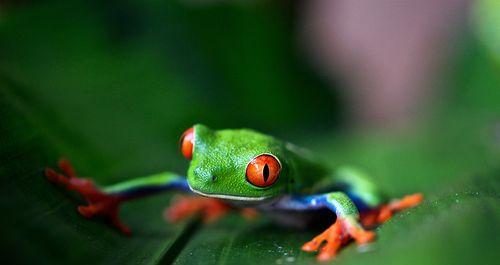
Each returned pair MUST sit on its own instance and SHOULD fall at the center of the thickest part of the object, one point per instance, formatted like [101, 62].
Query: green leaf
[40, 222]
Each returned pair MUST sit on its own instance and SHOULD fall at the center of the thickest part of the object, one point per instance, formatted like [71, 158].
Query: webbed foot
[99, 203]
[341, 232]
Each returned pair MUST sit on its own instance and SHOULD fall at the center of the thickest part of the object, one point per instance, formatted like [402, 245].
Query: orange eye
[187, 143]
[263, 170]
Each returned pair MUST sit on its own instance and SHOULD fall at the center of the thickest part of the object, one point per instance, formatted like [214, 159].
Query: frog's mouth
[229, 197]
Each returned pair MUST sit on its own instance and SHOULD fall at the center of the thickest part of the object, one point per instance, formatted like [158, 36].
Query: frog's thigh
[359, 186]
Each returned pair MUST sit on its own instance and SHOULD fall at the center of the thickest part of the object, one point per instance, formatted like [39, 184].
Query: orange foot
[184, 207]
[385, 212]
[99, 203]
[340, 233]
[210, 209]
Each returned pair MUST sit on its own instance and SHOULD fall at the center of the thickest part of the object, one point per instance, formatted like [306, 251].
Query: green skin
[218, 169]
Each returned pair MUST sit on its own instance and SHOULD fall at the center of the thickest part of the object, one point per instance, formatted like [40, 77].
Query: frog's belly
[302, 219]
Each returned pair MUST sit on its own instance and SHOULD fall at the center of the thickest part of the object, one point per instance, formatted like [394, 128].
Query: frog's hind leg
[374, 206]
[384, 212]
[357, 185]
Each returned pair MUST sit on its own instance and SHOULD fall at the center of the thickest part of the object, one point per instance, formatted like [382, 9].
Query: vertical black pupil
[265, 172]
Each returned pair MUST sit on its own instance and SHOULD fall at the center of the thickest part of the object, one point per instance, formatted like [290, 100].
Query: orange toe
[332, 239]
[67, 167]
[85, 211]
[409, 201]
[356, 231]
[364, 237]
[329, 251]
[385, 213]
[310, 246]
[406, 202]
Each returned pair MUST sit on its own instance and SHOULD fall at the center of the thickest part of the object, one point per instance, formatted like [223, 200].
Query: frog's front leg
[346, 225]
[184, 207]
[106, 201]
[209, 209]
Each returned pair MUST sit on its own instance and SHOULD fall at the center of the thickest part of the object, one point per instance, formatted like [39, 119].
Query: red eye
[187, 143]
[263, 170]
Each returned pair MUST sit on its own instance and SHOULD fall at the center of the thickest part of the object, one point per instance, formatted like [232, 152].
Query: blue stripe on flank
[314, 202]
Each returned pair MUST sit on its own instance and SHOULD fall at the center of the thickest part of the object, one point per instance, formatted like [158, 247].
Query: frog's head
[241, 165]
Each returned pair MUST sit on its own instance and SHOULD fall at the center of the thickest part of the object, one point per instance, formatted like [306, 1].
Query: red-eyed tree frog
[231, 169]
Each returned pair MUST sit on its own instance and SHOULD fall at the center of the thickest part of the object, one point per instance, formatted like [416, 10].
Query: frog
[246, 170]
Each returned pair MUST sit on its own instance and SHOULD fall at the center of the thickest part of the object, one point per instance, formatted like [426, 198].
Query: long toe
[67, 168]
[365, 237]
[53, 176]
[329, 251]
[408, 201]
[311, 246]
[115, 220]
[86, 211]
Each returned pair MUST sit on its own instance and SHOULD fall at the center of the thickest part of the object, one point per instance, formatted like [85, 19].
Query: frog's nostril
[214, 178]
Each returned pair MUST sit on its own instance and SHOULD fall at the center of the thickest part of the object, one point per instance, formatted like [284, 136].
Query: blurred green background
[112, 85]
